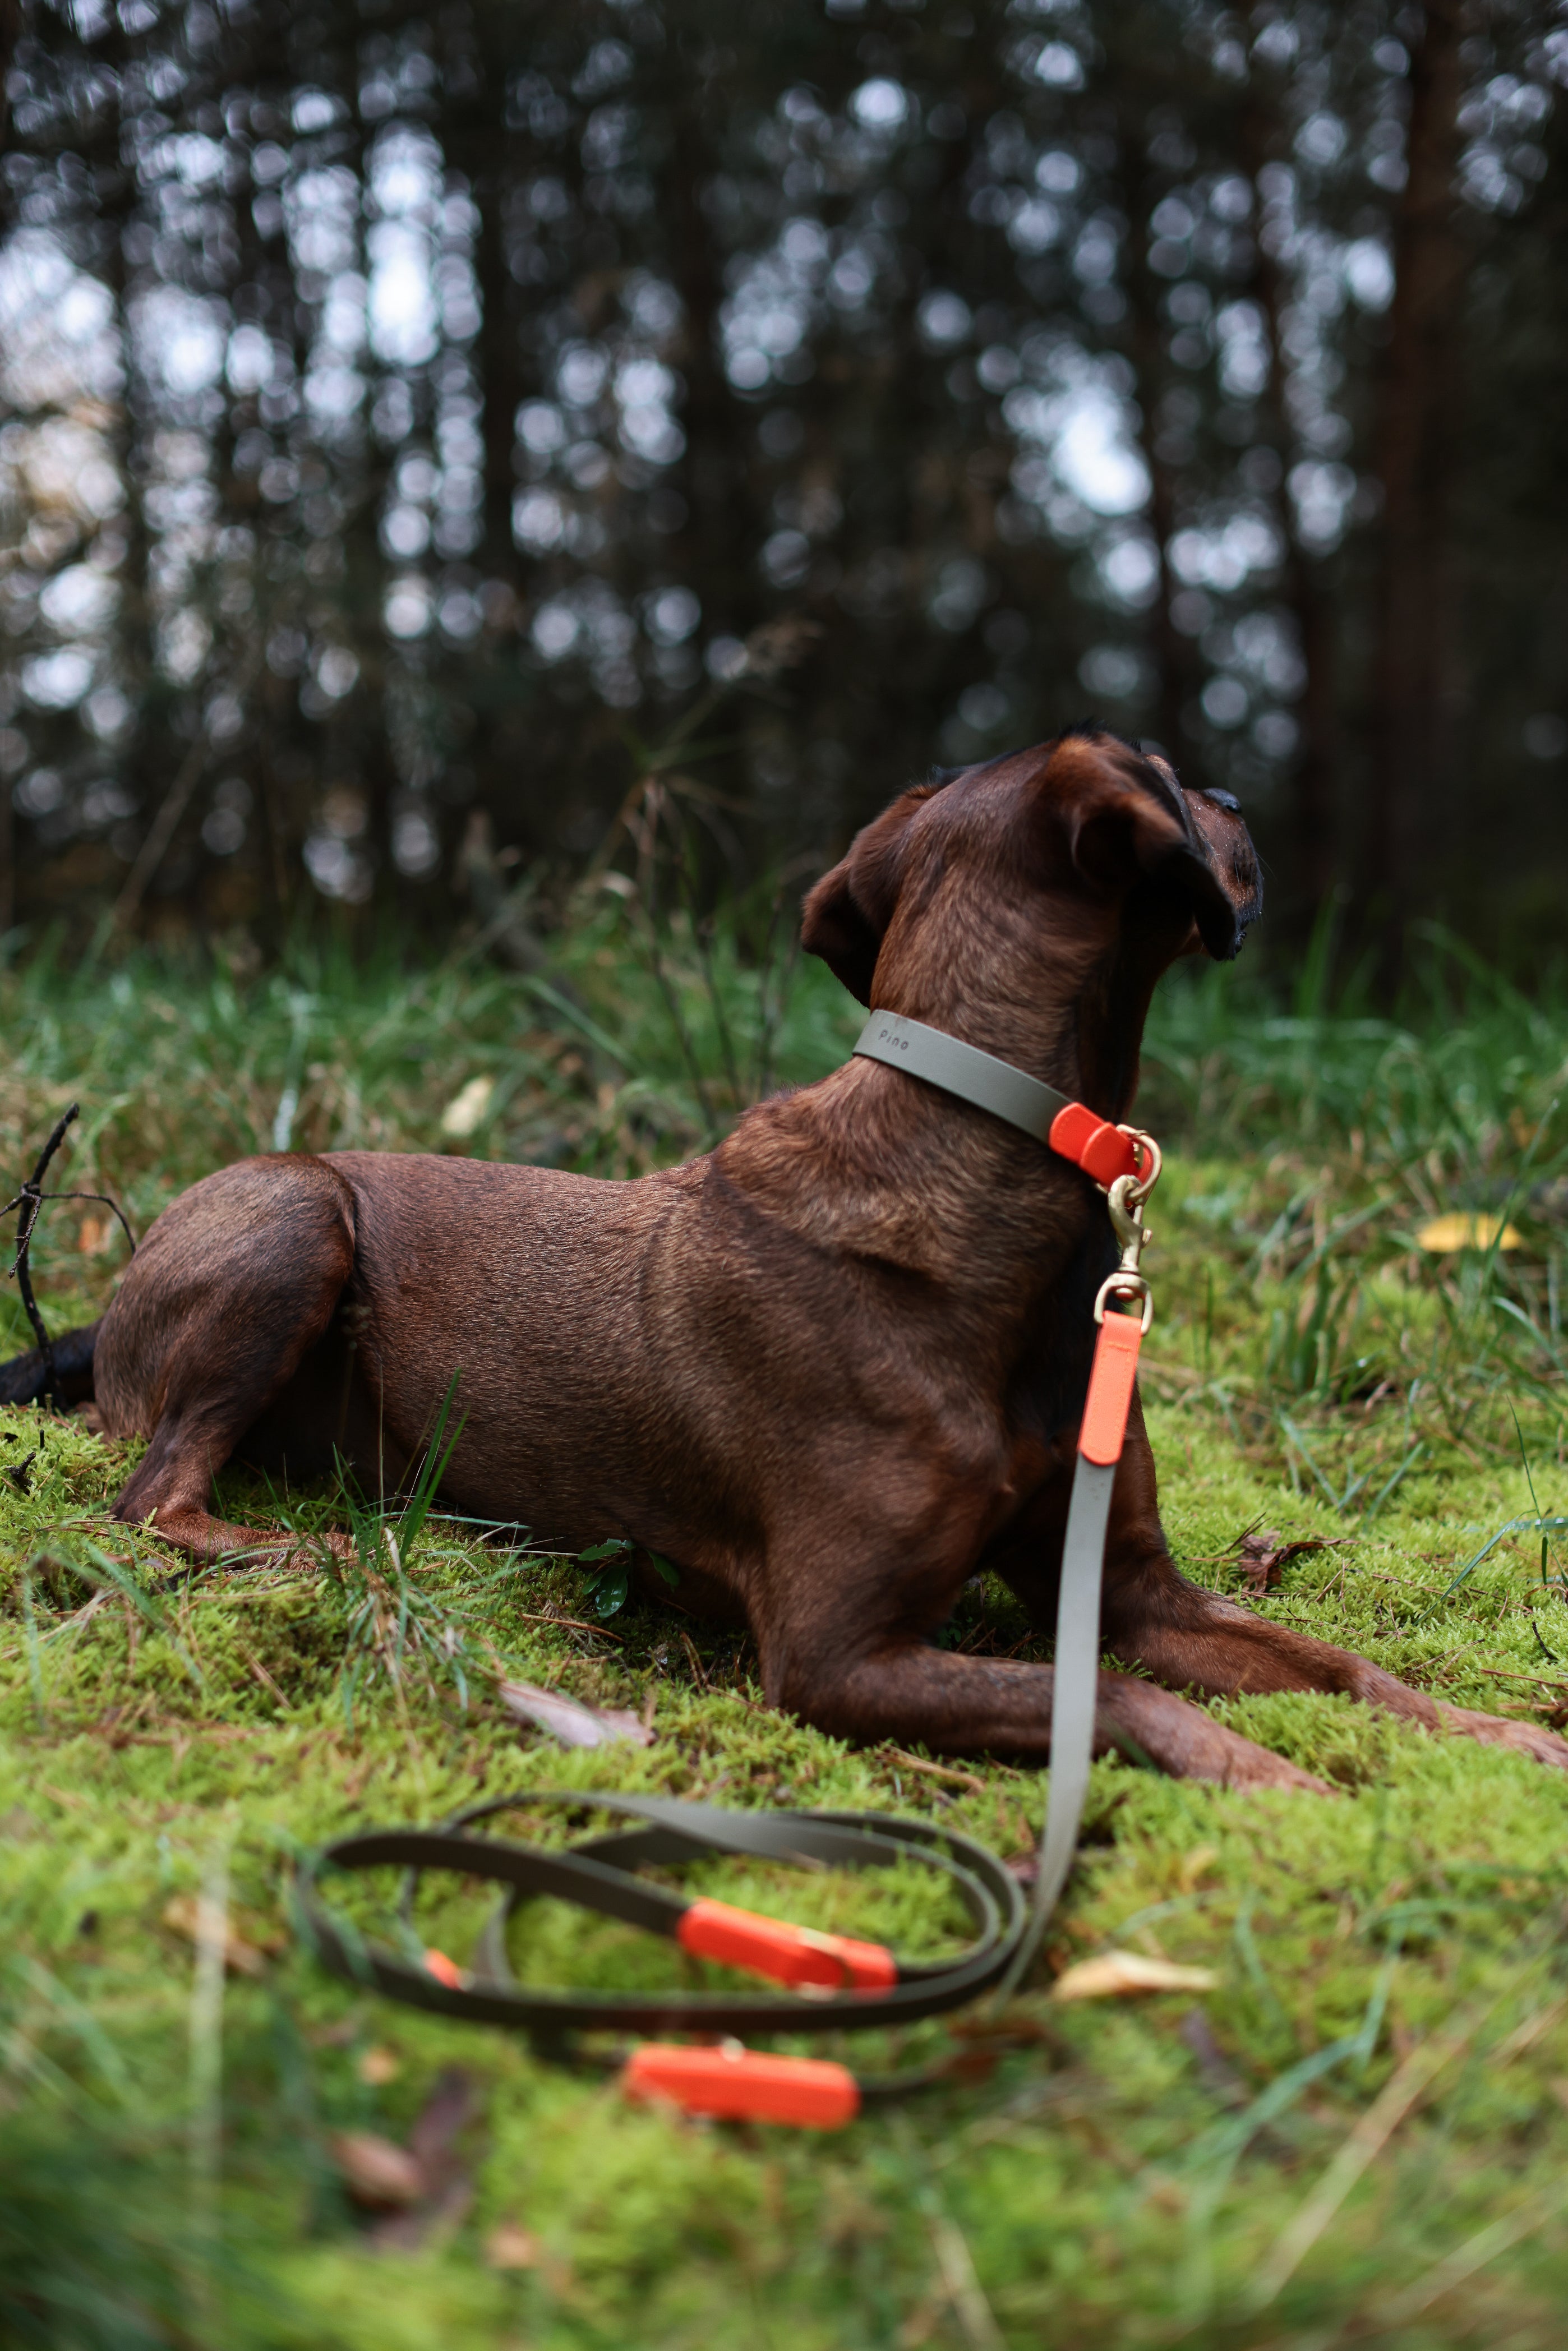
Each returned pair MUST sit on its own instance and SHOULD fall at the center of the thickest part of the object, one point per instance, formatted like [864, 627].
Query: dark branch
[29, 1201]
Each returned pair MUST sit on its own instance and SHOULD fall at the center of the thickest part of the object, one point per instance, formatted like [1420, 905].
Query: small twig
[575, 1622]
[104, 1202]
[1535, 1681]
[695, 1660]
[936, 1770]
[261, 1675]
[30, 1200]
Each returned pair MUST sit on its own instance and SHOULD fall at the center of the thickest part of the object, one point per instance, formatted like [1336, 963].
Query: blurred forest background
[436, 441]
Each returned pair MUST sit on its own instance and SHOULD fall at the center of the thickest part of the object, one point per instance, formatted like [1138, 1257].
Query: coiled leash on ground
[839, 1984]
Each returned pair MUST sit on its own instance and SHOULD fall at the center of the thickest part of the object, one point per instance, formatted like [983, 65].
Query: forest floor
[1358, 2136]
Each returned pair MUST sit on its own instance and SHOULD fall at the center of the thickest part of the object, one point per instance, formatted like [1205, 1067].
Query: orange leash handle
[1110, 1397]
[784, 1953]
[743, 2084]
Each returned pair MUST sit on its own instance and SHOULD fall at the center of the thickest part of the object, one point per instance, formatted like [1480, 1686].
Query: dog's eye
[1223, 800]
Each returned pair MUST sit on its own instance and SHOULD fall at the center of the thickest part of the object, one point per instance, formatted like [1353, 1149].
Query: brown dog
[832, 1370]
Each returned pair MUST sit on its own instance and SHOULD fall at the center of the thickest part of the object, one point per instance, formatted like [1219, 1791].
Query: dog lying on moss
[832, 1369]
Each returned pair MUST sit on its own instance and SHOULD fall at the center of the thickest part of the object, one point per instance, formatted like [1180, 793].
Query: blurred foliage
[410, 413]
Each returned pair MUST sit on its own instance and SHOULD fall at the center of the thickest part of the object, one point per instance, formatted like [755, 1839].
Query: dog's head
[1085, 847]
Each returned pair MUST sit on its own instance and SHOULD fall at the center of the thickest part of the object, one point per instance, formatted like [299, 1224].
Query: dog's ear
[1127, 820]
[847, 913]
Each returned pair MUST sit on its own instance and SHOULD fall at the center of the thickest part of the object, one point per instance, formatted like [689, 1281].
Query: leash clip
[1126, 1201]
[1150, 1162]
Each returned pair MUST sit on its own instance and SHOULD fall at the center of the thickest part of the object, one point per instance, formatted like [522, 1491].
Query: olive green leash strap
[1072, 1706]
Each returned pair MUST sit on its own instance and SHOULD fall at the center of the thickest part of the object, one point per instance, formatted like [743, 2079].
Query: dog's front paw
[1501, 1730]
[1242, 1763]
[1157, 1727]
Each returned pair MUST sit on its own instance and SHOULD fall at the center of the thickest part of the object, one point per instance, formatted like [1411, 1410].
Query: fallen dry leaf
[378, 2066]
[509, 2247]
[1461, 1231]
[377, 2174]
[1263, 1555]
[241, 1956]
[1115, 1974]
[572, 1724]
[465, 1113]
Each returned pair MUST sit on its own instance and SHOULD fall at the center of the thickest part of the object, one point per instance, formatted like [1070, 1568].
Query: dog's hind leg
[234, 1284]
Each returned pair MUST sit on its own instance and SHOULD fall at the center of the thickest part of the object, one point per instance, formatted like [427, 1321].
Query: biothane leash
[837, 1983]
[1125, 1164]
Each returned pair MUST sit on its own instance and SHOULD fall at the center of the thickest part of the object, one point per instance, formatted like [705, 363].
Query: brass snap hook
[1126, 1201]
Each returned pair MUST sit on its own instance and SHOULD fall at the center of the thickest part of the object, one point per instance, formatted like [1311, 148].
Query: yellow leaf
[465, 1113]
[1461, 1231]
[1115, 1974]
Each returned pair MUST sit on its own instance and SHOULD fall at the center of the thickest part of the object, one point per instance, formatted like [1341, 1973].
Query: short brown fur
[834, 1368]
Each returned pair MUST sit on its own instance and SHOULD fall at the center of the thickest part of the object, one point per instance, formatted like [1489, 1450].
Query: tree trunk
[500, 368]
[10, 33]
[1140, 192]
[1411, 727]
[1314, 824]
[715, 546]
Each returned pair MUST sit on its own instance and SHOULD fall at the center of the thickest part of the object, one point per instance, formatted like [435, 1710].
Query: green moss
[1111, 2175]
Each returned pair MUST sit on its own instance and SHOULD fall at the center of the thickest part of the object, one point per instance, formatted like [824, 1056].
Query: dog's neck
[878, 1166]
[1058, 989]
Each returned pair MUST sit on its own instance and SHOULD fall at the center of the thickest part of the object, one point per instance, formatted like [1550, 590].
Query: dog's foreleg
[964, 1705]
[1192, 1639]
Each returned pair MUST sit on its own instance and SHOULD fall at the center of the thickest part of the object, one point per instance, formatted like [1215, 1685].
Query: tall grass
[632, 1043]
[1464, 1063]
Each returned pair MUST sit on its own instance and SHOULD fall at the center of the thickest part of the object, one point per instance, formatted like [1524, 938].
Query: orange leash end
[1110, 1397]
[744, 2085]
[784, 1953]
